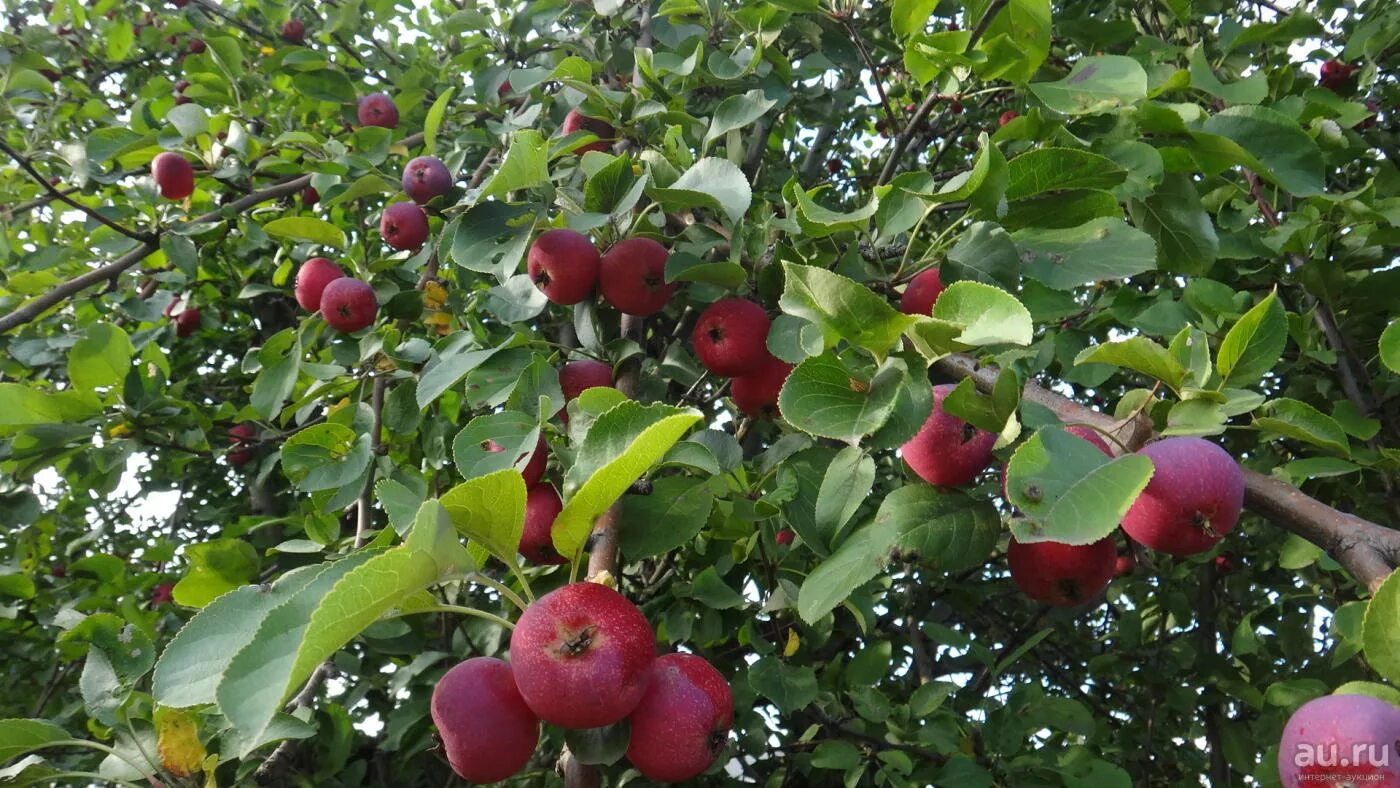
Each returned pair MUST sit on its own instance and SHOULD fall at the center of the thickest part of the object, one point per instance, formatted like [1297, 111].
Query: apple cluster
[631, 274]
[731, 340]
[581, 657]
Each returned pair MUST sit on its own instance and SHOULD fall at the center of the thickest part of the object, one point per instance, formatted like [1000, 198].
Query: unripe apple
[173, 175]
[921, 292]
[731, 337]
[312, 278]
[784, 537]
[293, 31]
[1007, 117]
[426, 177]
[187, 322]
[563, 264]
[487, 730]
[582, 656]
[1192, 501]
[377, 109]
[535, 466]
[632, 277]
[948, 451]
[682, 722]
[348, 304]
[404, 226]
[576, 121]
[1324, 733]
[757, 392]
[542, 506]
[578, 376]
[1062, 574]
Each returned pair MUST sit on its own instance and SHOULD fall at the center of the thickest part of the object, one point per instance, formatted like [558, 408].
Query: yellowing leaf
[434, 295]
[793, 643]
[177, 741]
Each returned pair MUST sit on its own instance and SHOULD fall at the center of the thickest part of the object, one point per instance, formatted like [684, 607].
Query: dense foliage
[240, 544]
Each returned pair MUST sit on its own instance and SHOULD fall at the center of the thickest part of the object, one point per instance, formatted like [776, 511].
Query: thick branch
[1367, 550]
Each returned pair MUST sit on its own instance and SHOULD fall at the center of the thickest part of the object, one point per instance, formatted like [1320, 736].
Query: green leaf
[1250, 90]
[1283, 151]
[490, 510]
[1069, 490]
[1017, 40]
[1301, 421]
[668, 518]
[216, 568]
[1099, 250]
[986, 253]
[1043, 170]
[838, 754]
[1254, 344]
[1139, 354]
[526, 164]
[823, 397]
[819, 221]
[516, 433]
[847, 483]
[433, 121]
[944, 531]
[710, 590]
[990, 413]
[737, 112]
[1390, 347]
[19, 737]
[1186, 240]
[842, 308]
[365, 186]
[280, 358]
[1095, 85]
[908, 17]
[987, 315]
[324, 85]
[790, 687]
[101, 358]
[448, 367]
[621, 445]
[492, 238]
[598, 746]
[1383, 692]
[325, 456]
[717, 184]
[307, 229]
[190, 120]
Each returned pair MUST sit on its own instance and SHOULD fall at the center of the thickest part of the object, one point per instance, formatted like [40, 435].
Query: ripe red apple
[535, 466]
[542, 505]
[576, 121]
[579, 375]
[1224, 564]
[921, 292]
[1358, 730]
[730, 338]
[404, 226]
[377, 109]
[293, 31]
[197, 46]
[1007, 117]
[784, 537]
[1062, 574]
[504, 89]
[312, 278]
[187, 322]
[161, 595]
[834, 166]
[182, 99]
[173, 175]
[241, 436]
[757, 392]
[948, 451]
[632, 277]
[180, 85]
[348, 304]
[682, 722]
[1124, 565]
[486, 728]
[309, 196]
[1192, 501]
[582, 656]
[426, 177]
[563, 264]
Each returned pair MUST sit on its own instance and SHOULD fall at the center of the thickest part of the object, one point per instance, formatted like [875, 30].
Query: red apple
[312, 278]
[1323, 734]
[1062, 574]
[241, 436]
[948, 451]
[1007, 117]
[535, 466]
[309, 196]
[348, 305]
[161, 595]
[730, 338]
[404, 226]
[582, 374]
[1124, 565]
[377, 109]
[682, 723]
[197, 46]
[921, 292]
[293, 31]
[1224, 564]
[582, 656]
[173, 175]
[487, 730]
[542, 505]
[576, 121]
[187, 322]
[1192, 501]
[757, 392]
[426, 177]
[564, 265]
[784, 537]
[632, 277]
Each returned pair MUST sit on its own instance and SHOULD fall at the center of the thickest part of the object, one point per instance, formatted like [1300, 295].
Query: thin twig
[27, 166]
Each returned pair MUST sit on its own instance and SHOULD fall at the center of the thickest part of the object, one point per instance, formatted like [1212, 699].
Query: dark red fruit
[833, 166]
[948, 451]
[426, 177]
[784, 537]
[542, 505]
[162, 594]
[293, 31]
[312, 278]
[180, 85]
[1191, 502]
[731, 336]
[1007, 117]
[1062, 574]
[404, 226]
[682, 723]
[564, 265]
[487, 730]
[187, 322]
[348, 305]
[582, 656]
[242, 436]
[576, 121]
[1124, 565]
[921, 292]
[632, 277]
[535, 466]
[309, 196]
[377, 109]
[1224, 564]
[578, 376]
[197, 46]
[173, 175]
[757, 392]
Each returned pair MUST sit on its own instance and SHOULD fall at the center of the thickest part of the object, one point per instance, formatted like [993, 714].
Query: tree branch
[365, 506]
[55, 194]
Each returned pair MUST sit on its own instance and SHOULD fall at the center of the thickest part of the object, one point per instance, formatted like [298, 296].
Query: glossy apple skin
[241, 435]
[577, 121]
[426, 177]
[348, 305]
[404, 226]
[784, 537]
[756, 394]
[1193, 499]
[312, 278]
[187, 322]
[1061, 574]
[486, 728]
[542, 506]
[948, 451]
[582, 656]
[578, 376]
[293, 31]
[1327, 729]
[921, 292]
[731, 337]
[173, 175]
[563, 264]
[377, 109]
[632, 277]
[682, 722]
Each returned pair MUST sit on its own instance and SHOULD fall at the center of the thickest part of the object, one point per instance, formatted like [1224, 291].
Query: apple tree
[781, 392]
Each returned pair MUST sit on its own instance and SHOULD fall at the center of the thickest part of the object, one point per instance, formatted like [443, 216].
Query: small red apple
[312, 278]
[404, 226]
[1191, 502]
[535, 466]
[180, 85]
[632, 277]
[576, 121]
[241, 436]
[563, 264]
[784, 537]
[348, 305]
[1124, 565]
[377, 109]
[542, 505]
[173, 175]
[921, 292]
[579, 375]
[426, 177]
[1007, 117]
[682, 723]
[309, 196]
[1062, 574]
[161, 595]
[293, 31]
[486, 728]
[948, 451]
[187, 322]
[757, 392]
[730, 338]
[1224, 564]
[197, 45]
